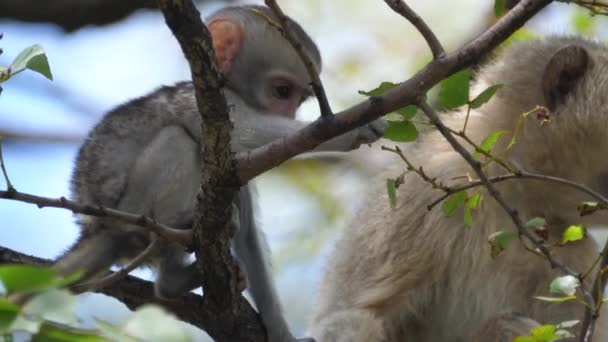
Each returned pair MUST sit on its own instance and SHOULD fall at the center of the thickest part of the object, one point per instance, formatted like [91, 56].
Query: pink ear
[227, 39]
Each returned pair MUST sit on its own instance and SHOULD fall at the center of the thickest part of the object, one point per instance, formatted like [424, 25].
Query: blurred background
[304, 204]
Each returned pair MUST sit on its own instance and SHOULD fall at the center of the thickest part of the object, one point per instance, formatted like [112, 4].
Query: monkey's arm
[253, 129]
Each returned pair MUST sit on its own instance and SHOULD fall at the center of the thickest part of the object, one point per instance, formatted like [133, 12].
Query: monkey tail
[252, 251]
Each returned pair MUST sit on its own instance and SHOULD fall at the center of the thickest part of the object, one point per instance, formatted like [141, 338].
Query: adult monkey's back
[408, 274]
[143, 157]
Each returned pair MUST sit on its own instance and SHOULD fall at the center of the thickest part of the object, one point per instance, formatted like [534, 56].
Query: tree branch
[72, 14]
[522, 175]
[182, 236]
[234, 319]
[404, 10]
[131, 291]
[264, 158]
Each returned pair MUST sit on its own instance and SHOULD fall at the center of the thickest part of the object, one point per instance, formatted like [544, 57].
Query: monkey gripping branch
[229, 315]
[222, 311]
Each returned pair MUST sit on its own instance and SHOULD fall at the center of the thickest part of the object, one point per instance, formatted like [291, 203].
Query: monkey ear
[227, 39]
[564, 70]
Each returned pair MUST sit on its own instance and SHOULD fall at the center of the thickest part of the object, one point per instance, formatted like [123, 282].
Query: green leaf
[33, 58]
[468, 217]
[474, 201]
[27, 278]
[499, 241]
[53, 333]
[151, 323]
[565, 285]
[472, 204]
[488, 143]
[454, 202]
[545, 333]
[499, 7]
[407, 112]
[454, 91]
[583, 23]
[555, 299]
[401, 131]
[392, 193]
[485, 96]
[525, 339]
[520, 122]
[53, 305]
[379, 90]
[113, 332]
[537, 222]
[573, 233]
[8, 314]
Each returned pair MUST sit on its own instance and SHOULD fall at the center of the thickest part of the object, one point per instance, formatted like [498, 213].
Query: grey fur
[143, 157]
[408, 274]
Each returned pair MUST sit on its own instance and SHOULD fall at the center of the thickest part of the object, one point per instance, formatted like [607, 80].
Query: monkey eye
[283, 91]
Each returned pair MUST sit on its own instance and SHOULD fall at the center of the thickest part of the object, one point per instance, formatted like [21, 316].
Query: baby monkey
[143, 157]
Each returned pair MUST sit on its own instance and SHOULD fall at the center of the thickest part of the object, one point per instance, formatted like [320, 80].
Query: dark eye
[283, 91]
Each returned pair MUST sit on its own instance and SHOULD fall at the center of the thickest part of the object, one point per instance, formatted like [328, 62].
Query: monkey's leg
[505, 327]
[175, 275]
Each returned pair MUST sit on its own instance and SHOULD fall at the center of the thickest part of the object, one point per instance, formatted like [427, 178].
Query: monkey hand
[349, 141]
[369, 133]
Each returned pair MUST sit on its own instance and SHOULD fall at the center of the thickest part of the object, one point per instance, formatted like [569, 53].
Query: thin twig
[313, 72]
[595, 7]
[588, 324]
[181, 236]
[536, 240]
[123, 272]
[466, 120]
[9, 185]
[478, 149]
[418, 170]
[523, 175]
[404, 10]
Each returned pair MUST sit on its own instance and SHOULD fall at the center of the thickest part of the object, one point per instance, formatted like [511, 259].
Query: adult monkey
[410, 274]
[143, 157]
